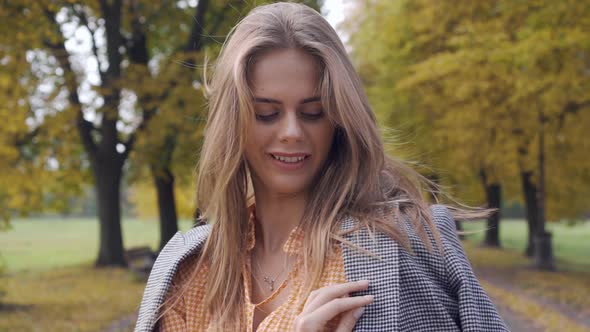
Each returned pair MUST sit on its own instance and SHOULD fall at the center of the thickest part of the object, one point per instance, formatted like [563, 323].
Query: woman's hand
[326, 303]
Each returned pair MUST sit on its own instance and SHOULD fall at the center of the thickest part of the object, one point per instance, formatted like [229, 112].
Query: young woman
[310, 226]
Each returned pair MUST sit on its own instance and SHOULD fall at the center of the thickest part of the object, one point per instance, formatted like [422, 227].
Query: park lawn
[41, 244]
[50, 283]
[570, 243]
[81, 298]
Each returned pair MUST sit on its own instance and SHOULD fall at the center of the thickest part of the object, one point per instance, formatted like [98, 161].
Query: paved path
[580, 317]
[515, 322]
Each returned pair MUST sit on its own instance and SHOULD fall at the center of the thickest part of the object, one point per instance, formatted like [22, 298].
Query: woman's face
[291, 135]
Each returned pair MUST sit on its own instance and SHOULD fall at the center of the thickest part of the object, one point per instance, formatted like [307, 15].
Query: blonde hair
[358, 178]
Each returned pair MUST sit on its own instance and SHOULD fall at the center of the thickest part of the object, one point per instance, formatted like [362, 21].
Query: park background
[103, 111]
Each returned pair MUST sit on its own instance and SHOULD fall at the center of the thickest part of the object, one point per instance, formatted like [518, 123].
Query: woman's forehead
[281, 70]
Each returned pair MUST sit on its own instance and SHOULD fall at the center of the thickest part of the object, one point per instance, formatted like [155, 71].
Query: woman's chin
[289, 188]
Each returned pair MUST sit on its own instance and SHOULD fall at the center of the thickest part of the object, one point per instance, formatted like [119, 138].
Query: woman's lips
[289, 166]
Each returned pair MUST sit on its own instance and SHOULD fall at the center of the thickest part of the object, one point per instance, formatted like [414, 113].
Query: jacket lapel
[381, 271]
[160, 279]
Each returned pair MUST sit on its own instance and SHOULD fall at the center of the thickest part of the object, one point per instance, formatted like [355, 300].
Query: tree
[29, 153]
[124, 74]
[493, 83]
[101, 123]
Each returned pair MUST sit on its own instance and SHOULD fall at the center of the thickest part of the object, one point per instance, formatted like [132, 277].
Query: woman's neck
[276, 216]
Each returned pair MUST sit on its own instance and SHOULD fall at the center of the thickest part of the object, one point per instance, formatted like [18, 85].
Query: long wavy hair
[358, 179]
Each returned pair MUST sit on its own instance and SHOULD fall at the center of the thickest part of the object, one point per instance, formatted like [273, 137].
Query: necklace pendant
[270, 282]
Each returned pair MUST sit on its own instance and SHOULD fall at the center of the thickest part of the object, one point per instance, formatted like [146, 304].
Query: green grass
[571, 244]
[41, 244]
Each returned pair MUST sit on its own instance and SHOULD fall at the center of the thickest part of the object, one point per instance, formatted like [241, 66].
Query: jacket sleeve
[476, 310]
[158, 283]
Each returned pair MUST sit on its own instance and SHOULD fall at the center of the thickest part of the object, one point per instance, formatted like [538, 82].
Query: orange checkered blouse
[190, 313]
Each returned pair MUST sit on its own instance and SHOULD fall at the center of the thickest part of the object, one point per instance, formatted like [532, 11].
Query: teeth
[288, 159]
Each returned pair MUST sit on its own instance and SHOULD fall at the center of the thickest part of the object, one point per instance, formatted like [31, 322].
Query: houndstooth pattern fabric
[381, 271]
[422, 290]
[418, 291]
[160, 279]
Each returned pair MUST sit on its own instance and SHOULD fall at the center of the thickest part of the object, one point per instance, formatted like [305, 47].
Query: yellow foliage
[469, 81]
[144, 198]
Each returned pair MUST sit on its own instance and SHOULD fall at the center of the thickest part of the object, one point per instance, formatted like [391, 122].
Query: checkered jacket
[419, 291]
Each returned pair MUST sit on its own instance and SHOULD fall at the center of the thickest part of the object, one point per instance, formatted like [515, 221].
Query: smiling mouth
[290, 160]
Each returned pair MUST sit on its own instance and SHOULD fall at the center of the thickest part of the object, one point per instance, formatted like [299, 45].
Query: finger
[315, 292]
[308, 307]
[323, 295]
[310, 298]
[349, 319]
[328, 293]
[319, 317]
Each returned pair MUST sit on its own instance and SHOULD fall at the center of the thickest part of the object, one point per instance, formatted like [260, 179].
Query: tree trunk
[108, 174]
[164, 181]
[107, 162]
[531, 209]
[493, 194]
[494, 200]
[166, 205]
[543, 248]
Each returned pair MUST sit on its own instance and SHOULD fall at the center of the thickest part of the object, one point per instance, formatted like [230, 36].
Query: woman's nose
[290, 127]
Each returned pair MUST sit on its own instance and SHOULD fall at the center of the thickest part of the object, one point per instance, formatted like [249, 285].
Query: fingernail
[369, 297]
[358, 312]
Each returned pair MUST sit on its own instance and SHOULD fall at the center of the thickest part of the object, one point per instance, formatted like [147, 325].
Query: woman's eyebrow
[311, 100]
[274, 101]
[266, 100]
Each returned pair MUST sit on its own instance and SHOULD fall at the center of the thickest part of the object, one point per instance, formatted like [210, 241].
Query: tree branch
[26, 138]
[194, 42]
[156, 13]
[571, 108]
[59, 51]
[112, 16]
[146, 117]
[81, 14]
[220, 17]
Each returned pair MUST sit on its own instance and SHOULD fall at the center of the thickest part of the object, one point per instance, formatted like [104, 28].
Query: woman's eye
[266, 117]
[312, 116]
